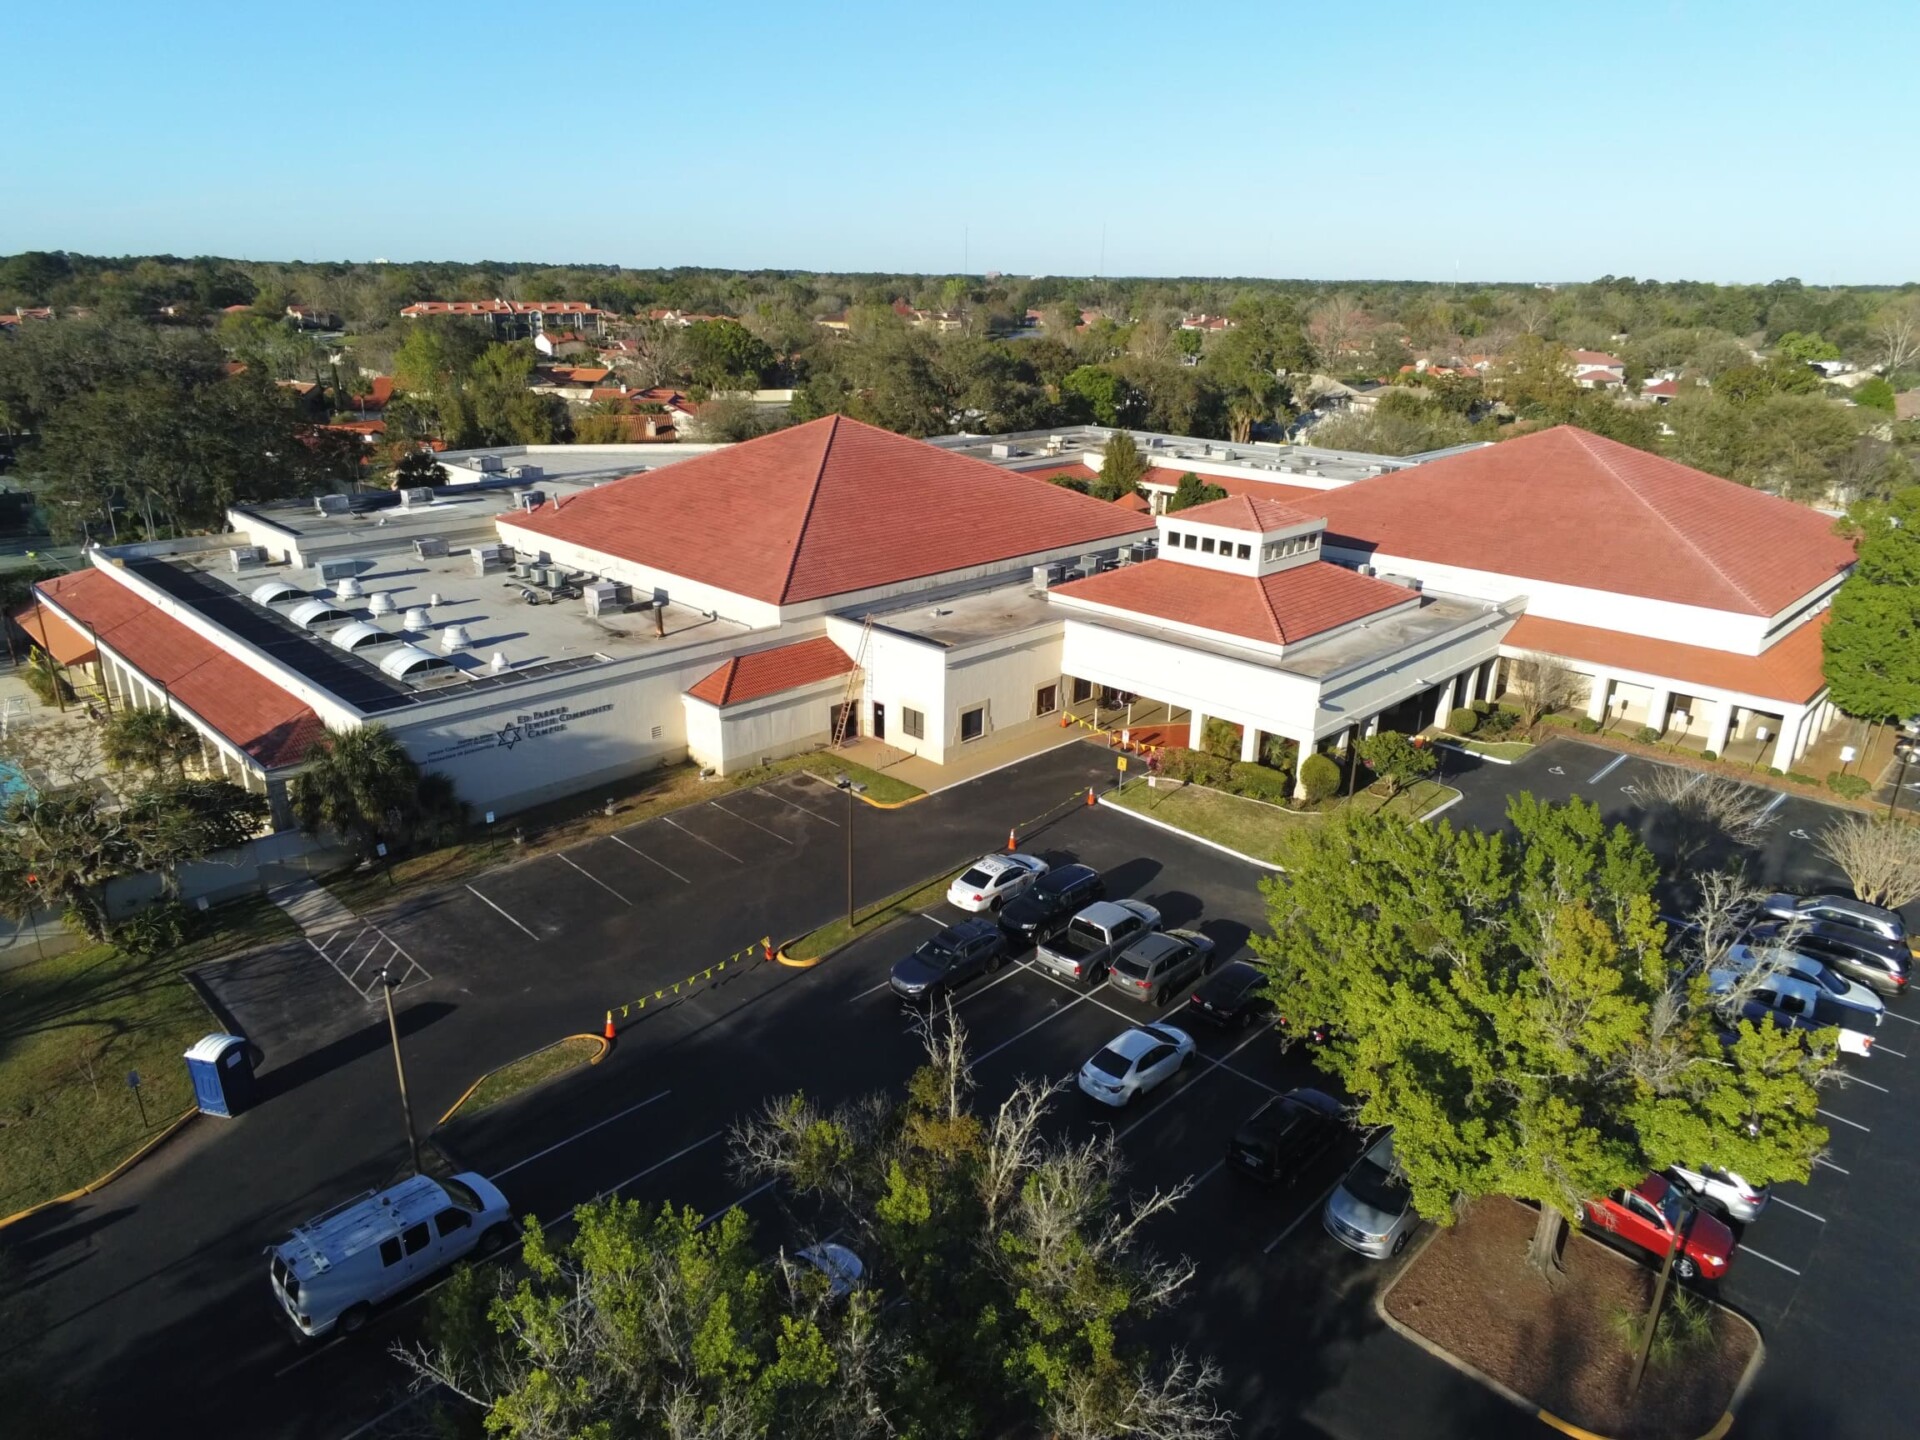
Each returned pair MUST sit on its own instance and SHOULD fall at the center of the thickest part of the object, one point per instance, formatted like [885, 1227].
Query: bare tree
[1546, 685]
[1697, 808]
[1896, 332]
[1879, 857]
[1336, 327]
[1176, 1404]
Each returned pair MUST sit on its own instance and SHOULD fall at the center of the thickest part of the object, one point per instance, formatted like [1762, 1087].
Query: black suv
[1286, 1135]
[1231, 996]
[950, 959]
[1050, 902]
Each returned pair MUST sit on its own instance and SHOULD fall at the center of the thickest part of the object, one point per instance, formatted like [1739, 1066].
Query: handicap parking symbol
[1798, 835]
[1556, 769]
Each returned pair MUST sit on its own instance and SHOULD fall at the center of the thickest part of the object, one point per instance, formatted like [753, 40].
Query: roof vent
[434, 598]
[454, 637]
[246, 557]
[380, 604]
[417, 619]
[274, 591]
[498, 665]
[433, 547]
[337, 566]
[332, 504]
[939, 612]
[418, 495]
[348, 588]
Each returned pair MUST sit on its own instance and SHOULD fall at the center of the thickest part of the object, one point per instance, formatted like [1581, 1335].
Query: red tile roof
[1301, 495]
[768, 672]
[1279, 609]
[1135, 502]
[273, 726]
[1248, 512]
[1790, 671]
[822, 509]
[66, 643]
[1073, 471]
[1571, 508]
[1598, 357]
[1661, 387]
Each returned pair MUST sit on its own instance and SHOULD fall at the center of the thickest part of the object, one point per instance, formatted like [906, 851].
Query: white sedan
[1133, 1063]
[992, 880]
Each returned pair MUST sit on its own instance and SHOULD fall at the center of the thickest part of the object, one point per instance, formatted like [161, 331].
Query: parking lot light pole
[388, 984]
[846, 784]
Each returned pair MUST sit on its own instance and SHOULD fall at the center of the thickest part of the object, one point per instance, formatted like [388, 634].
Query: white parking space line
[668, 819]
[871, 989]
[931, 919]
[1774, 805]
[815, 814]
[503, 914]
[1314, 1209]
[598, 881]
[755, 823]
[1234, 1070]
[1895, 1015]
[642, 1174]
[1889, 1050]
[558, 1144]
[1856, 1080]
[1844, 1121]
[1606, 769]
[1092, 993]
[1171, 1097]
[649, 859]
[1798, 1211]
[757, 1190]
[1838, 1169]
[1207, 1174]
[1749, 1250]
[1012, 971]
[1016, 1038]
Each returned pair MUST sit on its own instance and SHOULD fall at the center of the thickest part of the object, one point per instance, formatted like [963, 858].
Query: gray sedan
[1371, 1211]
[1156, 965]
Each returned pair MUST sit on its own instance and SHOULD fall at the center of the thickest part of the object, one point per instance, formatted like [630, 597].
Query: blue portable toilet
[221, 1068]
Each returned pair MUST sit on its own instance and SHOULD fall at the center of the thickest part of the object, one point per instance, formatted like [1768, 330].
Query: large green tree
[1506, 1003]
[363, 787]
[1871, 643]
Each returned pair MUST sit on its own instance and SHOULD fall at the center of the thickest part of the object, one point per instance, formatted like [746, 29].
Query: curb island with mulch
[1471, 1295]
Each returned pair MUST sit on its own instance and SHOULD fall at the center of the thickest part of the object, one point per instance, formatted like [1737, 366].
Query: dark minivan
[1050, 902]
[1286, 1135]
[1883, 965]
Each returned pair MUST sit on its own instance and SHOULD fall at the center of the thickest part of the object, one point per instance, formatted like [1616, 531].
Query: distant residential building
[1210, 324]
[1660, 392]
[558, 343]
[1597, 370]
[22, 316]
[683, 318]
[307, 317]
[838, 323]
[517, 319]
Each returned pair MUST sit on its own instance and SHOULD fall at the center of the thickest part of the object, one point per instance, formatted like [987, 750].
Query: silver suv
[1371, 1211]
[1159, 963]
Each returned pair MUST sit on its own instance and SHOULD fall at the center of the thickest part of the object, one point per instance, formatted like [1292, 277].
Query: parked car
[1159, 963]
[1654, 1215]
[1231, 995]
[1884, 965]
[949, 960]
[993, 880]
[1132, 1064]
[1286, 1135]
[842, 1268]
[1721, 1192]
[1043, 909]
[332, 1271]
[1086, 947]
[1793, 1004]
[1371, 1210]
[1780, 956]
[1841, 910]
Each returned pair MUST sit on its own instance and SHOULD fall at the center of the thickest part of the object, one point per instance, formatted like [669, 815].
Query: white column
[1249, 743]
[1441, 710]
[1788, 748]
[1304, 748]
[1657, 706]
[1341, 741]
[1719, 725]
[1372, 728]
[1597, 694]
[1196, 728]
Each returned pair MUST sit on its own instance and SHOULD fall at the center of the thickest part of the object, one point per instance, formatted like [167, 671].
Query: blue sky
[1742, 140]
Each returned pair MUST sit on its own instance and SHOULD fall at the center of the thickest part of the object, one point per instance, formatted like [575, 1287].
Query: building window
[913, 723]
[1243, 552]
[973, 723]
[1173, 541]
[1082, 691]
[1190, 541]
[1206, 546]
[1270, 551]
[1046, 700]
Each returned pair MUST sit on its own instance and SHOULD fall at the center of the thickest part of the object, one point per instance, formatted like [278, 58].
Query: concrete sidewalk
[312, 907]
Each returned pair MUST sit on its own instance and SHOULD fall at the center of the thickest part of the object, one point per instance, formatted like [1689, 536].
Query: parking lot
[526, 952]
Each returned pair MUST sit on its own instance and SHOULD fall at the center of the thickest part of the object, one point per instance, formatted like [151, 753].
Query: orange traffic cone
[1089, 794]
[609, 1032]
[1010, 844]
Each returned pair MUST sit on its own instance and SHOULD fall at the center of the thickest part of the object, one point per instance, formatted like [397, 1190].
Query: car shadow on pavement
[367, 1040]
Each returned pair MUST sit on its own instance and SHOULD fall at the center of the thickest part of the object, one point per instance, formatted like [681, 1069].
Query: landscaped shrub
[1196, 767]
[1497, 722]
[1800, 779]
[1709, 755]
[1221, 739]
[1647, 735]
[159, 927]
[45, 681]
[1464, 721]
[1481, 707]
[1279, 753]
[1258, 782]
[1319, 777]
[1775, 771]
[1851, 787]
[1587, 725]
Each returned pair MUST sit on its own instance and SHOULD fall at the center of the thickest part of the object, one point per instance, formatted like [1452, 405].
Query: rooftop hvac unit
[347, 588]
[432, 548]
[1136, 554]
[1045, 577]
[455, 637]
[340, 565]
[488, 558]
[417, 495]
[418, 619]
[275, 591]
[488, 463]
[529, 499]
[601, 596]
[380, 603]
[1368, 571]
[332, 504]
[246, 557]
[1055, 443]
[498, 665]
[1000, 452]
[523, 472]
[1409, 581]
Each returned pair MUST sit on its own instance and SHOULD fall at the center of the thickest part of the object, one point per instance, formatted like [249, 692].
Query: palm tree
[361, 785]
[149, 738]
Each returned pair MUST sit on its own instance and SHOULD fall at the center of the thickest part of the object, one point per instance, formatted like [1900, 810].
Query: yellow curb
[792, 963]
[174, 1126]
[892, 804]
[1567, 1427]
[467, 1093]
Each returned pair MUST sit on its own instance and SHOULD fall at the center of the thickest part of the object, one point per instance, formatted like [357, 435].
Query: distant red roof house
[1596, 360]
[1074, 471]
[235, 309]
[230, 697]
[823, 509]
[559, 308]
[768, 672]
[1283, 608]
[235, 367]
[1570, 508]
[1245, 485]
[379, 392]
[1661, 390]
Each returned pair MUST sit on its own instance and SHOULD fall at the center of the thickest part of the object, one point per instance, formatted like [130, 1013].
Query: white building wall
[1245, 691]
[900, 672]
[1004, 678]
[745, 735]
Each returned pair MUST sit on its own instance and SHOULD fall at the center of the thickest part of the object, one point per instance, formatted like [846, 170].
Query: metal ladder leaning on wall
[856, 679]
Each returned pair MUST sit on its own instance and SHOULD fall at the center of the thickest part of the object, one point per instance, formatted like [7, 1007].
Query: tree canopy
[1871, 644]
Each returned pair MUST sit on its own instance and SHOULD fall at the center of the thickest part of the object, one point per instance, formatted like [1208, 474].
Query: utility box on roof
[221, 1068]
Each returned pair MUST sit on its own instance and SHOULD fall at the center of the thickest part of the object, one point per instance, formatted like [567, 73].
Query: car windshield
[1823, 977]
[1058, 882]
[1134, 967]
[1111, 1062]
[977, 878]
[937, 955]
[1380, 1189]
[461, 1195]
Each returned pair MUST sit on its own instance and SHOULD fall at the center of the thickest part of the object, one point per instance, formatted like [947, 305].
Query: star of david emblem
[509, 736]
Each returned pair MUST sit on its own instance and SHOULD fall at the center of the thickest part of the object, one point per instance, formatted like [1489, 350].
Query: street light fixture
[846, 783]
[388, 983]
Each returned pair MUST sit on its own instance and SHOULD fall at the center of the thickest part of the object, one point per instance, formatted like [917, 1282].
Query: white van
[334, 1269]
